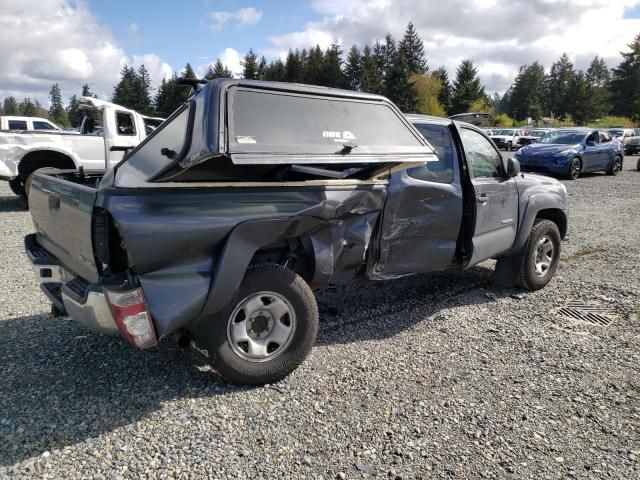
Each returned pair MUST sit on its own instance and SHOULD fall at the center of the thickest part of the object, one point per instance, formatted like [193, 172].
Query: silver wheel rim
[575, 168]
[543, 256]
[261, 326]
[617, 164]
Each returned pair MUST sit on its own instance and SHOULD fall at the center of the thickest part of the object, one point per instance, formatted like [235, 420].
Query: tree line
[400, 71]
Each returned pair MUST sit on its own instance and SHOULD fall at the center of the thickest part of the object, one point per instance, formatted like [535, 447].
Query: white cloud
[243, 16]
[231, 59]
[499, 35]
[134, 28]
[48, 41]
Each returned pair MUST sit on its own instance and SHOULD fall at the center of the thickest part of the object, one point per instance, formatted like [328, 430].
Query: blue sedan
[571, 152]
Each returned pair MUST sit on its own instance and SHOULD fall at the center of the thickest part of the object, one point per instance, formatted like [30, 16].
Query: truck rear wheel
[541, 256]
[16, 186]
[267, 330]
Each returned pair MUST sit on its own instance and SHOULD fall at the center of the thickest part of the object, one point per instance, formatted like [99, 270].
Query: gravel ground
[442, 376]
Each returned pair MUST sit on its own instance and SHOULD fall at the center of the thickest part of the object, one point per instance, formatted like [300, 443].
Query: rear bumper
[83, 301]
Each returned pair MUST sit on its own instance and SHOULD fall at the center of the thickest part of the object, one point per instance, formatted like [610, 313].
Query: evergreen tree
[332, 70]
[353, 69]
[314, 66]
[444, 97]
[86, 91]
[526, 93]
[188, 72]
[556, 86]
[370, 78]
[142, 99]
[276, 71]
[398, 88]
[125, 91]
[293, 67]
[625, 83]
[262, 69]
[250, 65]
[27, 108]
[217, 71]
[57, 112]
[579, 101]
[74, 114]
[598, 78]
[10, 106]
[170, 95]
[466, 87]
[412, 48]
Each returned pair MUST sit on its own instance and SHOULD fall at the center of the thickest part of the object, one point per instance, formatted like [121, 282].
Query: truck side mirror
[512, 167]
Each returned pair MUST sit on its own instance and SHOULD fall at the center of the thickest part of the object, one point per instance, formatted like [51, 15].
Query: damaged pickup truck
[221, 224]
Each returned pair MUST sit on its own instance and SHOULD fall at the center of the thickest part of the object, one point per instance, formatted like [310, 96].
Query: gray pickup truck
[221, 224]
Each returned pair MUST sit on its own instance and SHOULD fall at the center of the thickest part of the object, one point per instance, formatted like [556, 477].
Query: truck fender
[42, 148]
[240, 247]
[535, 203]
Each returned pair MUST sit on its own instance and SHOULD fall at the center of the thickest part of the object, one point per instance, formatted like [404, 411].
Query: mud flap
[507, 268]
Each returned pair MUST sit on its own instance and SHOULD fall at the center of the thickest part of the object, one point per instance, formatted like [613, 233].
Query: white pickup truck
[105, 125]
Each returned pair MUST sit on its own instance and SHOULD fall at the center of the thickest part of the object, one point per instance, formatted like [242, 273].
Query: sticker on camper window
[339, 136]
[245, 139]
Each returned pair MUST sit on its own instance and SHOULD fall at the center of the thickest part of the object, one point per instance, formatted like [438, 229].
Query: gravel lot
[444, 376]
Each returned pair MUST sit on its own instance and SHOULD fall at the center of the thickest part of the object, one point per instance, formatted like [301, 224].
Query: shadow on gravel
[363, 312]
[12, 204]
[61, 384]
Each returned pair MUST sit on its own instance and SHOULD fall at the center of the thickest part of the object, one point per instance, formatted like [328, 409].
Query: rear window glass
[440, 169]
[286, 123]
[17, 125]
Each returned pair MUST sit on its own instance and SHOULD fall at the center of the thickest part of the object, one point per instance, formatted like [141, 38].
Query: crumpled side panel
[191, 247]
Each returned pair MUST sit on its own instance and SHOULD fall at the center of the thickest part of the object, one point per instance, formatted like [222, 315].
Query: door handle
[54, 202]
[482, 199]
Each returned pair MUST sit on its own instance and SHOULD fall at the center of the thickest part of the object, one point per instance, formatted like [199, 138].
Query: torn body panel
[219, 230]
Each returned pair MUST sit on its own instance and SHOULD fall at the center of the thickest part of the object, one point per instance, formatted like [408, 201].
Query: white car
[507, 138]
[105, 125]
[12, 122]
[623, 135]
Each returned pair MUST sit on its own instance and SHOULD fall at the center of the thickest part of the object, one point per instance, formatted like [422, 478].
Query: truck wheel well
[293, 253]
[44, 158]
[557, 216]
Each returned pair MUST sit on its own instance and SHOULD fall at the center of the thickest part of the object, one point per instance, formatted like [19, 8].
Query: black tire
[638, 165]
[509, 146]
[27, 182]
[16, 186]
[616, 165]
[529, 276]
[575, 168]
[229, 355]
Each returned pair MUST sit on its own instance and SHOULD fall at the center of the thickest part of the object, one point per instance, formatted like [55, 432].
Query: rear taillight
[130, 313]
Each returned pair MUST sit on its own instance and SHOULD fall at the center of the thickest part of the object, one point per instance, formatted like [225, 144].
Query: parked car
[632, 143]
[621, 134]
[571, 152]
[105, 125]
[11, 122]
[532, 136]
[507, 138]
[222, 221]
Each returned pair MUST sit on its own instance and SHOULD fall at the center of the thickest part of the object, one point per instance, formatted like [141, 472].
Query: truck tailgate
[62, 213]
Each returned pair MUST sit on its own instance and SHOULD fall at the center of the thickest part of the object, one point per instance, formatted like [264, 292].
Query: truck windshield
[563, 138]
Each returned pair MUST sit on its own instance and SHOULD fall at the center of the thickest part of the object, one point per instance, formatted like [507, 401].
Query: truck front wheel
[541, 256]
[267, 330]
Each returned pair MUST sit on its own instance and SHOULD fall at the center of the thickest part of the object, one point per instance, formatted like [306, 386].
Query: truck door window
[124, 124]
[43, 126]
[17, 125]
[441, 169]
[483, 159]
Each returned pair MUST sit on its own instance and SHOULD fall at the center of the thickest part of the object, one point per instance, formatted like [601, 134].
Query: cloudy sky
[78, 41]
